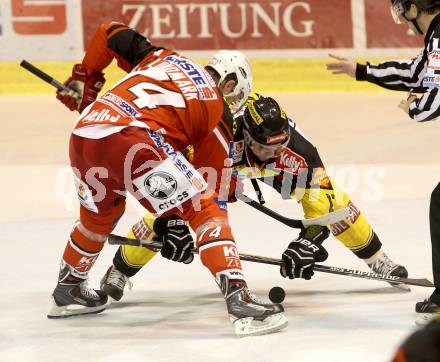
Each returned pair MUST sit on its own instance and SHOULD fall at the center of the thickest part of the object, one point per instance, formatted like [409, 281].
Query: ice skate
[249, 316]
[73, 297]
[385, 266]
[428, 309]
[114, 282]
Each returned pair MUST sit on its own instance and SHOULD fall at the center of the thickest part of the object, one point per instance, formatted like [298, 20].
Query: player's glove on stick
[176, 238]
[84, 88]
[301, 255]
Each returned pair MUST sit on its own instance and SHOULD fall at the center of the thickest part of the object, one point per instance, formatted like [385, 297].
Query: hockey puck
[277, 295]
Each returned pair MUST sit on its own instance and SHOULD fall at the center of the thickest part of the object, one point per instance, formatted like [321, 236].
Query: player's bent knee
[216, 228]
[217, 247]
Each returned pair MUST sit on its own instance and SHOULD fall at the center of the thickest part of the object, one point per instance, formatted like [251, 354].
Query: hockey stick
[324, 220]
[156, 245]
[44, 76]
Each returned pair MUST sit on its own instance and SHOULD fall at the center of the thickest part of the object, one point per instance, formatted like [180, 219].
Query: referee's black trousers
[434, 224]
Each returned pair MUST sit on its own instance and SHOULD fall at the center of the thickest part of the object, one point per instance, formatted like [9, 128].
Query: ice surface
[175, 312]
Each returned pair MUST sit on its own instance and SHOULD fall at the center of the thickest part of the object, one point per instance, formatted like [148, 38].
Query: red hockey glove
[84, 88]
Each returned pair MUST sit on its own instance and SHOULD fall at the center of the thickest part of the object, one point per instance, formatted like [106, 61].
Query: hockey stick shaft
[44, 76]
[120, 240]
[324, 220]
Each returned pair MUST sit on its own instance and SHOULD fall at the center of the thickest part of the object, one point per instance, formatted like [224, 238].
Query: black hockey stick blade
[344, 271]
[423, 282]
[324, 220]
[44, 76]
[155, 245]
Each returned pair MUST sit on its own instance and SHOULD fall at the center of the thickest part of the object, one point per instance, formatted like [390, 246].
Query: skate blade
[402, 287]
[246, 327]
[72, 310]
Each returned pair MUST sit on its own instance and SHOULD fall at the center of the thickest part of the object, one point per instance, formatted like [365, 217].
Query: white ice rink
[175, 312]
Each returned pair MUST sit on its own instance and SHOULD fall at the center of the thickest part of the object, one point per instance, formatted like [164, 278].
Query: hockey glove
[301, 255]
[84, 88]
[176, 238]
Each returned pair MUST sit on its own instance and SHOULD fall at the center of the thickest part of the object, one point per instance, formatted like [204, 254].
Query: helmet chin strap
[415, 23]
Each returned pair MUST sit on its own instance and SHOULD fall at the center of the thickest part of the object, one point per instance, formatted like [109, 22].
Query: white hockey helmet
[226, 62]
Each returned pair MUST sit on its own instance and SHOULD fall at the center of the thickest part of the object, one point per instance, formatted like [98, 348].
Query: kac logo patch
[160, 185]
[236, 150]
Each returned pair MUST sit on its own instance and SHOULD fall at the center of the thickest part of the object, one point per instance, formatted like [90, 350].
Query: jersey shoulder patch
[236, 151]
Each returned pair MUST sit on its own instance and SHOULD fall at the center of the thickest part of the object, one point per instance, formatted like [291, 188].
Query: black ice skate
[385, 266]
[73, 297]
[113, 283]
[428, 310]
[250, 316]
[427, 306]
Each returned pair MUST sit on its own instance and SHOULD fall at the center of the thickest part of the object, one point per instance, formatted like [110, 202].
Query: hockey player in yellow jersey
[268, 146]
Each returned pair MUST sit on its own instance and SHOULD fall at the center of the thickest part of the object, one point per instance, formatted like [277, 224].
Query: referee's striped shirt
[419, 75]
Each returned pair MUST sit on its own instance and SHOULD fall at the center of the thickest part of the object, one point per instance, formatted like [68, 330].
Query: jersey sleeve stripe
[409, 74]
[222, 140]
[112, 30]
[430, 109]
[226, 131]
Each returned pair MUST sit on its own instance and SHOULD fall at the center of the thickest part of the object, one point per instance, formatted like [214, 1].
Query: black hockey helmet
[423, 5]
[398, 7]
[265, 121]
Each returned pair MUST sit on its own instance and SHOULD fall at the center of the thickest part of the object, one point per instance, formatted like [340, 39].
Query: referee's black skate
[114, 282]
[72, 297]
[428, 308]
[249, 316]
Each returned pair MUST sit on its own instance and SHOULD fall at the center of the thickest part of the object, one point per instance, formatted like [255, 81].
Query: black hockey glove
[302, 254]
[176, 238]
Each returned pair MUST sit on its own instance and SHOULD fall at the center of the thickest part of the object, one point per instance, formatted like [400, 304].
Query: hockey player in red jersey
[129, 140]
